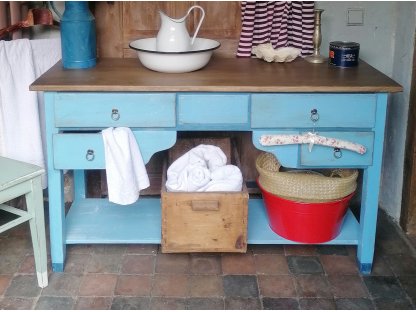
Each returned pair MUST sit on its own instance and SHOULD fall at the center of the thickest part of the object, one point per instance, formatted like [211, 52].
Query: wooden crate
[204, 221]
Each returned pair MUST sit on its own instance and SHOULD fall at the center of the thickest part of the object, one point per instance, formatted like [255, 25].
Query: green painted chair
[18, 178]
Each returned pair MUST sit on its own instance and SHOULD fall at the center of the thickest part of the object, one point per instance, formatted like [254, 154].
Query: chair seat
[14, 172]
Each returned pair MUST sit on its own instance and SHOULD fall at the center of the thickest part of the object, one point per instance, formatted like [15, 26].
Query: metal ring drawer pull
[115, 115]
[337, 153]
[314, 115]
[90, 155]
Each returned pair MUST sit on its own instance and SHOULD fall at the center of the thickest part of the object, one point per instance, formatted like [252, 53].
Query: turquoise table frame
[74, 121]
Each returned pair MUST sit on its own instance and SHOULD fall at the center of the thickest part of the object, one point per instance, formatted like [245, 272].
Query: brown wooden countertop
[220, 75]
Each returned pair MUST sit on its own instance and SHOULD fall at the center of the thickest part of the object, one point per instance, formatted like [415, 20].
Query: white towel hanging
[126, 171]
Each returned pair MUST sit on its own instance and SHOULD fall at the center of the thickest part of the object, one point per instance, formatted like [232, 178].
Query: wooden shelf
[97, 221]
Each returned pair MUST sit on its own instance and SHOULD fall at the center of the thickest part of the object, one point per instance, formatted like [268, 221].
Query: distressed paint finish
[263, 99]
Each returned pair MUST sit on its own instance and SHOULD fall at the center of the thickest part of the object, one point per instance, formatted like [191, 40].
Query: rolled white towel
[224, 179]
[213, 156]
[192, 170]
[190, 179]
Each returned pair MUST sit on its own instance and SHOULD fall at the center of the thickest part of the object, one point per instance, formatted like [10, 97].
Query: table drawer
[86, 150]
[213, 111]
[300, 110]
[298, 155]
[325, 156]
[114, 110]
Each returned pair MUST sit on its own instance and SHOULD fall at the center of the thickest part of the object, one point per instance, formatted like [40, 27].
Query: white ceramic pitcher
[173, 35]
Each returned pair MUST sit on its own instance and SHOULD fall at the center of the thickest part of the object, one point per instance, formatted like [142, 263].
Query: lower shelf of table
[97, 221]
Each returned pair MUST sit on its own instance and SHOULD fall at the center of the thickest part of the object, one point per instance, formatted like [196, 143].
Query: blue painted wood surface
[359, 117]
[91, 109]
[213, 111]
[294, 110]
[70, 150]
[97, 221]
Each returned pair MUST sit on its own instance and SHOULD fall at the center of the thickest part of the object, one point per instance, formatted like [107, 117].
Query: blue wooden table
[228, 95]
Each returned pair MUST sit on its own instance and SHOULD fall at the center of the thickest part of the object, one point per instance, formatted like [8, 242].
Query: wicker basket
[302, 185]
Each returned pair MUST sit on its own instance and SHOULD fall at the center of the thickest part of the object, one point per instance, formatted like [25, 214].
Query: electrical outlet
[355, 17]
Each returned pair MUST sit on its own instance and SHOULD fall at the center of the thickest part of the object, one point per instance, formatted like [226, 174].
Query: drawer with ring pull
[86, 150]
[313, 110]
[334, 157]
[324, 149]
[89, 109]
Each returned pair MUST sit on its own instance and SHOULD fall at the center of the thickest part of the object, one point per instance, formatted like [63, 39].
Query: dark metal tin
[343, 53]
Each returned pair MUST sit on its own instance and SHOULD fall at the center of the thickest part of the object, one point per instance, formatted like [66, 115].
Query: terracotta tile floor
[266, 277]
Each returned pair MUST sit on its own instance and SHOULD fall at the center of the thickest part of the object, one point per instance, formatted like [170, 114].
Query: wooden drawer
[213, 111]
[204, 221]
[86, 150]
[114, 110]
[298, 155]
[295, 110]
[323, 156]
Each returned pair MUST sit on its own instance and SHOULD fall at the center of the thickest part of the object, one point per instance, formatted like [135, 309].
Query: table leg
[57, 219]
[370, 192]
[79, 184]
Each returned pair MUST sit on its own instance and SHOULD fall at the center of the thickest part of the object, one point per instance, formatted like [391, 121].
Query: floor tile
[98, 285]
[130, 303]
[93, 303]
[138, 264]
[392, 246]
[334, 264]
[305, 265]
[393, 304]
[206, 286]
[23, 286]
[76, 263]
[384, 287]
[277, 286]
[63, 285]
[163, 303]
[408, 283]
[313, 286]
[354, 304]
[107, 263]
[240, 286]
[402, 264]
[172, 263]
[332, 250]
[271, 264]
[347, 286]
[142, 249]
[381, 267]
[241, 264]
[109, 249]
[55, 303]
[242, 304]
[205, 264]
[10, 263]
[266, 249]
[205, 304]
[4, 283]
[12, 303]
[317, 304]
[280, 304]
[134, 285]
[300, 250]
[170, 285]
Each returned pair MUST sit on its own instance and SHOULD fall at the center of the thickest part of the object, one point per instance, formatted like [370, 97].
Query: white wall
[386, 42]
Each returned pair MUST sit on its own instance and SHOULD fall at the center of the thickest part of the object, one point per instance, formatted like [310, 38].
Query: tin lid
[344, 44]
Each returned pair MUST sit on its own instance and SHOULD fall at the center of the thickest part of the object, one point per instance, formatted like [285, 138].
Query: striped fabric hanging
[282, 23]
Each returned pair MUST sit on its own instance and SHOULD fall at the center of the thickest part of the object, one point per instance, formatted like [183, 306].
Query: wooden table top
[220, 75]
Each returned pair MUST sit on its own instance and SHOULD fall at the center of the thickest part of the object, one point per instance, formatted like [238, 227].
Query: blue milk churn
[78, 37]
